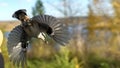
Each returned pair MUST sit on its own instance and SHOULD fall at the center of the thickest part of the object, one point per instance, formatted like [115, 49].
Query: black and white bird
[40, 26]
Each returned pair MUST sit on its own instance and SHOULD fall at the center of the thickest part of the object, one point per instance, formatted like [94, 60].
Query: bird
[39, 26]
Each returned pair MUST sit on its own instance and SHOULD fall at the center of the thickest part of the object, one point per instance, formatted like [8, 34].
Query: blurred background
[94, 27]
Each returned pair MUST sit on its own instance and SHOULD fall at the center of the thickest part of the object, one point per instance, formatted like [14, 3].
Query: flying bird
[40, 26]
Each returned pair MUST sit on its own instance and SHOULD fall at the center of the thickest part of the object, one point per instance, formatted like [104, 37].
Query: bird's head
[20, 15]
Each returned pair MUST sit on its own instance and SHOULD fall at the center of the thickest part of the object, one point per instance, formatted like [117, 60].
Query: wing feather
[59, 30]
[14, 45]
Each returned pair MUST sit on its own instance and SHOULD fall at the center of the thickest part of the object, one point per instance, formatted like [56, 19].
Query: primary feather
[53, 27]
[15, 42]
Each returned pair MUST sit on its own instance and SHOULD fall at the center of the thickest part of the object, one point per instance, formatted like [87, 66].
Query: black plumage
[40, 26]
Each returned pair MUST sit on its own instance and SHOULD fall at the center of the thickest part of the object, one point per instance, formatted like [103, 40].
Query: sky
[8, 7]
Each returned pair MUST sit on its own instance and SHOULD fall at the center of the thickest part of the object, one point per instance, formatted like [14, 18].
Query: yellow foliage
[116, 4]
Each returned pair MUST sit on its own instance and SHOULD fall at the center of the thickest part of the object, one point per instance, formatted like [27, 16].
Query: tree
[38, 8]
[69, 10]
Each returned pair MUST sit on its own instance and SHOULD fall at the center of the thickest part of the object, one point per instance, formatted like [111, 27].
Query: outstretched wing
[16, 46]
[54, 28]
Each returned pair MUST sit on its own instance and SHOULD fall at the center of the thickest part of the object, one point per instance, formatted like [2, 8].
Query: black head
[19, 13]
